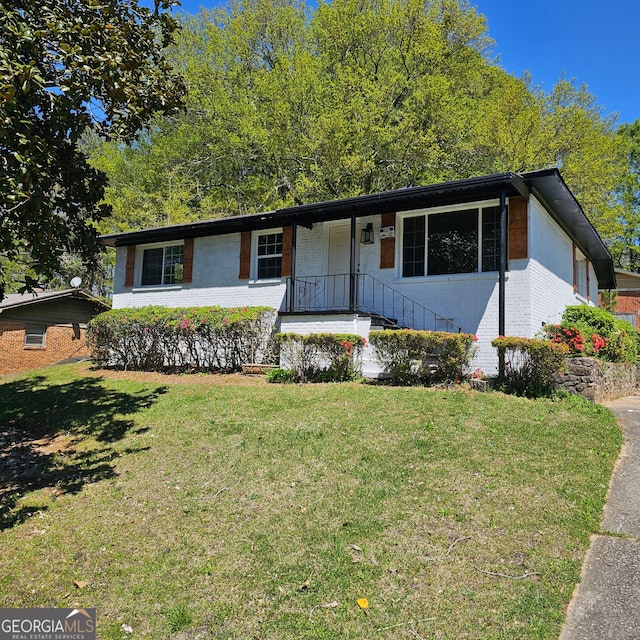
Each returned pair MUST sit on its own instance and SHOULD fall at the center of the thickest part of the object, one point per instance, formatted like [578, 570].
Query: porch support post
[502, 273]
[352, 263]
[292, 276]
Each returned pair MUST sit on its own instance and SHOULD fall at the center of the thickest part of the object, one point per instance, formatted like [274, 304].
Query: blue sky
[593, 41]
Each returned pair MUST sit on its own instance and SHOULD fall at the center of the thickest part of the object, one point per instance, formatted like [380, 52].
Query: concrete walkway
[606, 604]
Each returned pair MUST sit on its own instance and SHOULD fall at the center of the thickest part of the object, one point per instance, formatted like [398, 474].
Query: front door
[338, 280]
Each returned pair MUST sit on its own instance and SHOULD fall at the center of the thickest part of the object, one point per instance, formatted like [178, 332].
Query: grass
[266, 511]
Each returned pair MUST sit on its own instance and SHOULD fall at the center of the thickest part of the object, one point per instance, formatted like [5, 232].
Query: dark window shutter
[388, 245]
[131, 263]
[245, 255]
[187, 260]
[286, 252]
[518, 244]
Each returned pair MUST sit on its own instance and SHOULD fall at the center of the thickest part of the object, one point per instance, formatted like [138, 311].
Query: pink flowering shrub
[183, 339]
[598, 342]
[569, 336]
[590, 331]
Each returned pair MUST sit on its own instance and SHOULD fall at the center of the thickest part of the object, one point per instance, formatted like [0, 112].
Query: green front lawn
[247, 510]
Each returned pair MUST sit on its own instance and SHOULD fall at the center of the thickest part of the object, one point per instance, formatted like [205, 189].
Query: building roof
[547, 185]
[627, 280]
[13, 300]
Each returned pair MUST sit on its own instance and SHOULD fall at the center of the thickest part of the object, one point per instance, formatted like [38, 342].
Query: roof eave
[547, 185]
[551, 190]
[468, 189]
[48, 296]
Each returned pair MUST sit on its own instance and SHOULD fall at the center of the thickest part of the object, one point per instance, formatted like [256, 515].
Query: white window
[581, 268]
[269, 255]
[162, 265]
[34, 335]
[446, 242]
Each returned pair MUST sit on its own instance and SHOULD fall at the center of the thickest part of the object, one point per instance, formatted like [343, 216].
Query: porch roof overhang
[547, 185]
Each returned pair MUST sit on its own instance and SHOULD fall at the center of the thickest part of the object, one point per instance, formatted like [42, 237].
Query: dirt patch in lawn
[208, 379]
[23, 457]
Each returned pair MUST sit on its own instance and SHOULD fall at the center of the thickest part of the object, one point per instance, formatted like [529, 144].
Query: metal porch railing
[363, 293]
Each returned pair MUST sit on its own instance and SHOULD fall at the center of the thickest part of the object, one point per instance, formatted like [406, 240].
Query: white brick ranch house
[495, 255]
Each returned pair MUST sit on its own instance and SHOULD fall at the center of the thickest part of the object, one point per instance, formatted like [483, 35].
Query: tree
[588, 152]
[69, 67]
[626, 227]
[288, 106]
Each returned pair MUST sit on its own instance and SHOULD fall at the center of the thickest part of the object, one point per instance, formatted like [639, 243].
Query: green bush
[530, 365]
[279, 375]
[157, 338]
[423, 357]
[322, 357]
[592, 331]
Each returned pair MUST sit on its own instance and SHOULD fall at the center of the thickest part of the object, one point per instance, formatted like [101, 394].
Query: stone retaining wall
[598, 380]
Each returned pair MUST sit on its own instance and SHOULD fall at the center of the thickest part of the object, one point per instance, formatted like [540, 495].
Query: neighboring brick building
[628, 296]
[37, 330]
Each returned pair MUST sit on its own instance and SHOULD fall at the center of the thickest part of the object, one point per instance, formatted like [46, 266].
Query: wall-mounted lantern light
[366, 234]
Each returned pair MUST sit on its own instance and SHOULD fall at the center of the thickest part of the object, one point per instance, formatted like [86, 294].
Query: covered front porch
[344, 256]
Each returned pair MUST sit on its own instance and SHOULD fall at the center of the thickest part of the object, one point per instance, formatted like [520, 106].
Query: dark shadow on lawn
[39, 424]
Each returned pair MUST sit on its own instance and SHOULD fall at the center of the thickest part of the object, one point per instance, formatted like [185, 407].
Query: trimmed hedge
[423, 357]
[530, 365]
[158, 338]
[321, 357]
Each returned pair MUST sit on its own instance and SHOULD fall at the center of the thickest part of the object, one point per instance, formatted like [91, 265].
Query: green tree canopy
[288, 105]
[68, 67]
[624, 229]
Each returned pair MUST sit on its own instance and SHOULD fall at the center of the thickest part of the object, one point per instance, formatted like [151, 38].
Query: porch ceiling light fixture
[366, 234]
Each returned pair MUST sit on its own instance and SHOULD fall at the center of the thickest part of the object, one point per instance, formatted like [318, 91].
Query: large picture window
[163, 265]
[269, 256]
[450, 242]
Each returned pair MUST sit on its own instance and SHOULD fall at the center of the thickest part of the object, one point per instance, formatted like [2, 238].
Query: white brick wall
[311, 248]
[551, 270]
[538, 289]
[215, 260]
[321, 323]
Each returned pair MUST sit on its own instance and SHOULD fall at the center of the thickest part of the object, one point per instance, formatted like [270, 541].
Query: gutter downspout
[352, 263]
[292, 274]
[502, 274]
